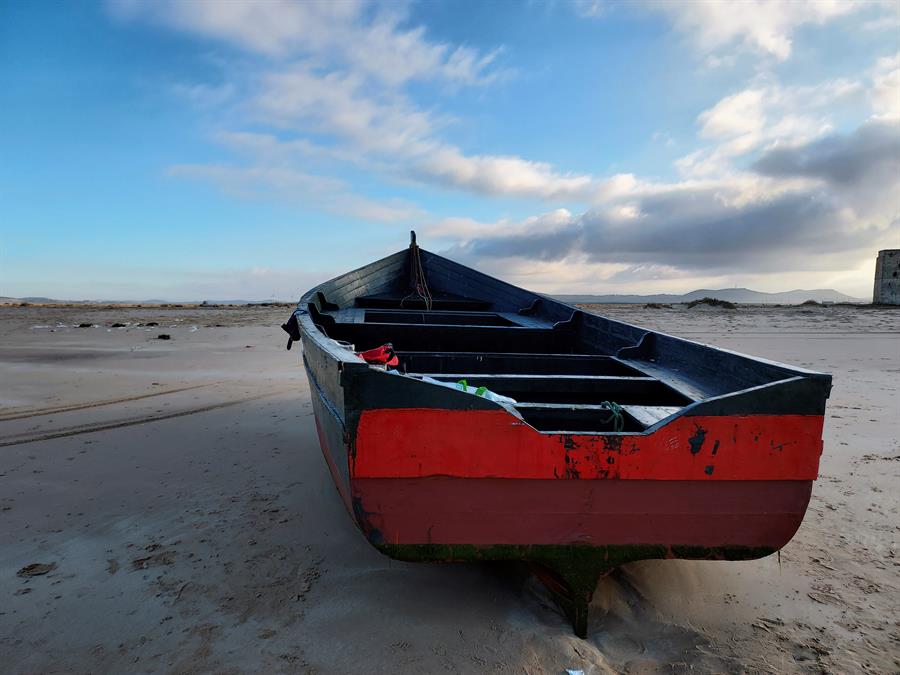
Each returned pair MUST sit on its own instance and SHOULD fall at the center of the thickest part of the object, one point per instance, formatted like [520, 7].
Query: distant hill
[738, 295]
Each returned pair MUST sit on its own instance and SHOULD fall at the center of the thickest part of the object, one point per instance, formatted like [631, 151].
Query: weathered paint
[335, 457]
[409, 443]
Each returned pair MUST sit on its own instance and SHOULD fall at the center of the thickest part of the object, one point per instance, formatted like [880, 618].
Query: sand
[175, 499]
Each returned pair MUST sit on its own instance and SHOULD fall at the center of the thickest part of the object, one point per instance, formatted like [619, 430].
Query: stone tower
[887, 277]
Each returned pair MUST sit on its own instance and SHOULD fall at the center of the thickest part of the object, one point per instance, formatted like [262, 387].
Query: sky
[164, 149]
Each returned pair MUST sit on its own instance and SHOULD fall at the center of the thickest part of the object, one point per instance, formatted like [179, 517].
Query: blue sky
[190, 150]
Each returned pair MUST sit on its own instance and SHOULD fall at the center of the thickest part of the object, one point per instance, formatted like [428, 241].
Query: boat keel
[572, 590]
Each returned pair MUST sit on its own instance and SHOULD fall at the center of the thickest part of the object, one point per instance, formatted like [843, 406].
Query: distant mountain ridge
[738, 295]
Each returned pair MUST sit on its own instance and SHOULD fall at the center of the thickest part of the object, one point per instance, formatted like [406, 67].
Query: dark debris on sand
[35, 570]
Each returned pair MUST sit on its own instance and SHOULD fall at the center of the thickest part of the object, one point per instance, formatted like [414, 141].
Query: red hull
[599, 511]
[492, 511]
[410, 443]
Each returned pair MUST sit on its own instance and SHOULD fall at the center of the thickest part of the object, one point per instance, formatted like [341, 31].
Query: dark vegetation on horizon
[712, 302]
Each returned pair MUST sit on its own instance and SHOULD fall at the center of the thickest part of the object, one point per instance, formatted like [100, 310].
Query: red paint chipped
[409, 443]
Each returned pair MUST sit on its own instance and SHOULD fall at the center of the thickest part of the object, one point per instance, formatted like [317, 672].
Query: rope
[418, 281]
[615, 415]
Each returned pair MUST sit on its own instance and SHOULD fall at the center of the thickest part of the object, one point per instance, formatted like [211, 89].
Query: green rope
[615, 415]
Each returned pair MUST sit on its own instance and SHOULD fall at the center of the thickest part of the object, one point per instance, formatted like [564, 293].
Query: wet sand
[176, 497]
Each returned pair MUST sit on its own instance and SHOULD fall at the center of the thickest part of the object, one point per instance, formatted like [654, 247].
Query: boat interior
[562, 366]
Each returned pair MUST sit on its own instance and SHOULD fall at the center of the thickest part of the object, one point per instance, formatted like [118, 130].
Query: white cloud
[766, 115]
[341, 105]
[688, 232]
[885, 92]
[274, 27]
[740, 113]
[495, 175]
[762, 26]
[467, 229]
[769, 111]
[350, 33]
[336, 70]
[388, 127]
[292, 186]
[395, 55]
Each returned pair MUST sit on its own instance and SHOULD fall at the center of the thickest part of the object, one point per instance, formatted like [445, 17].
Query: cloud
[341, 105]
[470, 230]
[765, 115]
[351, 33]
[337, 71]
[740, 113]
[696, 233]
[292, 186]
[761, 26]
[494, 175]
[692, 231]
[885, 93]
[388, 127]
[842, 206]
[777, 192]
[871, 153]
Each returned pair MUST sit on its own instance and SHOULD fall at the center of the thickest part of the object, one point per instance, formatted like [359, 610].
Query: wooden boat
[621, 444]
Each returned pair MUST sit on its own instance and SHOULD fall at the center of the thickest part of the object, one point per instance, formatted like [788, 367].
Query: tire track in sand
[94, 428]
[96, 404]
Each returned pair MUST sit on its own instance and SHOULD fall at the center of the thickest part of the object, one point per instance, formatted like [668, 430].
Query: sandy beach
[164, 507]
